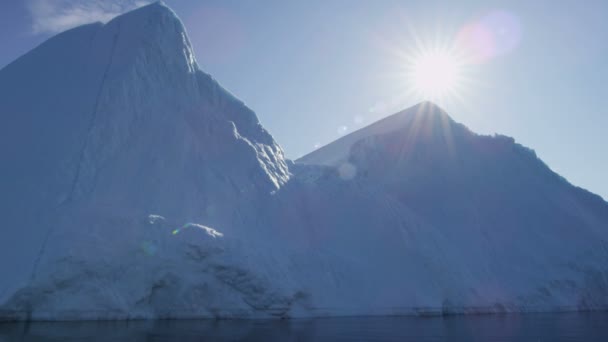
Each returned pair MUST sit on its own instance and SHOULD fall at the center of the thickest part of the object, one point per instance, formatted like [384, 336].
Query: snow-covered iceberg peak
[107, 122]
[153, 32]
[425, 120]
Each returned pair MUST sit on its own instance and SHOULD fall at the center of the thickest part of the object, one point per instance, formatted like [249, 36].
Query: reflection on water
[513, 327]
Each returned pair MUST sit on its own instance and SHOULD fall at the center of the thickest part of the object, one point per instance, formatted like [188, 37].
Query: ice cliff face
[134, 186]
[104, 123]
[490, 226]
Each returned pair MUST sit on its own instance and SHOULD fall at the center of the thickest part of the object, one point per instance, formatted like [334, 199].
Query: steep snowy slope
[338, 151]
[133, 186]
[106, 124]
[501, 231]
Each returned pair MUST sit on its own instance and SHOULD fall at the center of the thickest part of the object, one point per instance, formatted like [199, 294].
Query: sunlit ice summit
[138, 187]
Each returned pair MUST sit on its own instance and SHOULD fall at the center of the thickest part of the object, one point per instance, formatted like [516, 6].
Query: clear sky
[313, 70]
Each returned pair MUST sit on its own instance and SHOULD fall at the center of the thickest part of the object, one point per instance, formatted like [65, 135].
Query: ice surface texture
[134, 186]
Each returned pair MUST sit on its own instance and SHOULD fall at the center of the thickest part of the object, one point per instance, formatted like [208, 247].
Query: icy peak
[421, 121]
[425, 113]
[428, 106]
[153, 9]
[153, 31]
[156, 13]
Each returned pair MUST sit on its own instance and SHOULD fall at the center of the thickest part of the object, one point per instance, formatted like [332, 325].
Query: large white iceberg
[134, 186]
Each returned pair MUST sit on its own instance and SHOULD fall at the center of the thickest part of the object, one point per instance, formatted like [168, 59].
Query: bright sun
[435, 74]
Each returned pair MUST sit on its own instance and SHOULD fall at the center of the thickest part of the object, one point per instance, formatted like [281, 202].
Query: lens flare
[492, 35]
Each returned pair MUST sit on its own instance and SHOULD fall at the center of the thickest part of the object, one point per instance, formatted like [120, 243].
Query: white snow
[338, 151]
[134, 186]
[153, 219]
[208, 230]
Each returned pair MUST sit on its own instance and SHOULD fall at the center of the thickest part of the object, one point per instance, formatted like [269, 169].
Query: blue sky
[317, 69]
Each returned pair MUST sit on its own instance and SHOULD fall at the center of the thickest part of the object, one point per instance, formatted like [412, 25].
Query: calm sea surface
[513, 327]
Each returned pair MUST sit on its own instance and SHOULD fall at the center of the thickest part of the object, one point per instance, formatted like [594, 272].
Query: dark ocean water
[512, 327]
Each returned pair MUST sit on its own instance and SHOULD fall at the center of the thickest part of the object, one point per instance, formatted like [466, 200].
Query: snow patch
[209, 231]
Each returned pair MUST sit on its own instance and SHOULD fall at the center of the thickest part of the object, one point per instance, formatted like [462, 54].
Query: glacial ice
[134, 186]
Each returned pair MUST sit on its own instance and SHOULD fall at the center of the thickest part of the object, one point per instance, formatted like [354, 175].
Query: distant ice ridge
[134, 186]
